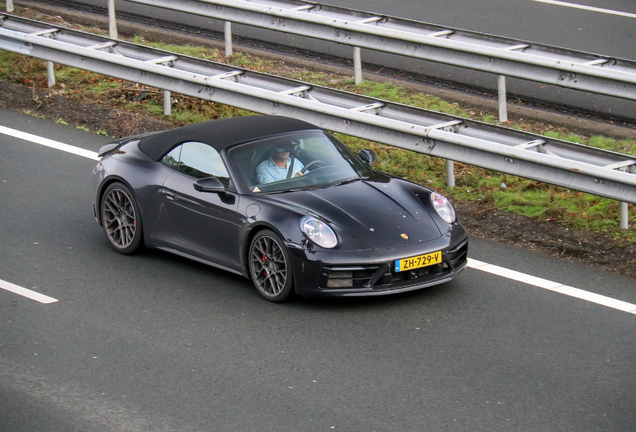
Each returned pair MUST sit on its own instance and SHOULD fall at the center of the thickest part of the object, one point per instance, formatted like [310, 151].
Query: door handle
[176, 197]
[169, 195]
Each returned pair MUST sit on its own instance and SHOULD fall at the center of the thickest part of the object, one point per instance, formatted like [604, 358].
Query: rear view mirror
[368, 157]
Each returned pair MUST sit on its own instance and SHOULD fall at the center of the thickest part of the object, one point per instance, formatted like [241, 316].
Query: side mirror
[209, 184]
[368, 157]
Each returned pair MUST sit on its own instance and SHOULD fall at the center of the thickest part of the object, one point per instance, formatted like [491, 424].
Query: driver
[278, 166]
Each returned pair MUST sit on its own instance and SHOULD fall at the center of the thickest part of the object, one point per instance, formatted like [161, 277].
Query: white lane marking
[49, 143]
[26, 292]
[553, 286]
[589, 8]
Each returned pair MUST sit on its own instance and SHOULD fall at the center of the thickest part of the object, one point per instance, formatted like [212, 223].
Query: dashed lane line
[8, 286]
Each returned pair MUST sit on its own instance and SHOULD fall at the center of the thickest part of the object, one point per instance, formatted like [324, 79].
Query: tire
[270, 267]
[121, 219]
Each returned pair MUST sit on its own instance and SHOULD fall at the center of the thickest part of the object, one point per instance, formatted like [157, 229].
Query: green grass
[522, 196]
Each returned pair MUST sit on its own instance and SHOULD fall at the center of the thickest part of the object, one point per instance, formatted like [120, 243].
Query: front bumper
[352, 274]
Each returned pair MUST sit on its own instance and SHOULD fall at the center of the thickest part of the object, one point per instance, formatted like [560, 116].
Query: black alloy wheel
[270, 267]
[121, 219]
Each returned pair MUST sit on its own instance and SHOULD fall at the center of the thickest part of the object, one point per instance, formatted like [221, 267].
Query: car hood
[381, 214]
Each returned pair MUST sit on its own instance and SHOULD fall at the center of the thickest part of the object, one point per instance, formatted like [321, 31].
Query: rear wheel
[270, 268]
[121, 219]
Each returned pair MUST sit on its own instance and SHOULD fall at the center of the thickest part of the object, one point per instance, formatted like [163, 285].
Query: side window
[197, 160]
[171, 160]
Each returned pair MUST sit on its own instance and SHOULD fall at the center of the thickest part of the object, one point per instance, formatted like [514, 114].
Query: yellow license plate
[418, 261]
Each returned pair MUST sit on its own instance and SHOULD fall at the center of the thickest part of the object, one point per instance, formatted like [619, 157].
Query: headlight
[318, 232]
[443, 207]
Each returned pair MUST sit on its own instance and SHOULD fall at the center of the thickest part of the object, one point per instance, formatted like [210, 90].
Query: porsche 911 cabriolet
[281, 202]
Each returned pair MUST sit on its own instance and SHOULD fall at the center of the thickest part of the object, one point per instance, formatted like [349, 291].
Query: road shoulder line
[48, 143]
[552, 286]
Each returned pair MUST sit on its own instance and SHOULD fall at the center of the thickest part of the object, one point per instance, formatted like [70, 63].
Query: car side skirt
[201, 260]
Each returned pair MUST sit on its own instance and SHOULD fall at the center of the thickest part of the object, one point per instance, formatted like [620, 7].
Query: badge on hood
[404, 236]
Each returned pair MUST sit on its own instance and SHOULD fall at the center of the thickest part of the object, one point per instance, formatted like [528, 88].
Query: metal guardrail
[563, 67]
[571, 165]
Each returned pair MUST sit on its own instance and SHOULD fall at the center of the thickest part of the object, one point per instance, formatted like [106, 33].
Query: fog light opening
[340, 279]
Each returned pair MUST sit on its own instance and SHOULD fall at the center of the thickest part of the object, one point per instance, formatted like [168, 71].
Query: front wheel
[121, 219]
[270, 266]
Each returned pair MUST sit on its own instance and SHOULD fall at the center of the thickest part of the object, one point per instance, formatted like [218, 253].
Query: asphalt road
[529, 20]
[154, 342]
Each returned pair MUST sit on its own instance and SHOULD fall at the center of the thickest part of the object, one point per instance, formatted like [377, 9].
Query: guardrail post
[450, 173]
[112, 23]
[167, 103]
[501, 89]
[357, 64]
[228, 39]
[50, 73]
[9, 5]
[624, 215]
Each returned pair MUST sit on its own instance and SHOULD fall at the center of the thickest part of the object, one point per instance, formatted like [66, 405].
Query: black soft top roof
[221, 133]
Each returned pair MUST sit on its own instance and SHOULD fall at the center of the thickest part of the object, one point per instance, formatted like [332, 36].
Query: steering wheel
[306, 167]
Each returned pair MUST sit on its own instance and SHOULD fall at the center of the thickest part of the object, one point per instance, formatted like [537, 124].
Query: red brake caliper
[264, 271]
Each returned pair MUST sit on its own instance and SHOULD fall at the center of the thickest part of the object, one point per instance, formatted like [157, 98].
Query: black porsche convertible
[281, 202]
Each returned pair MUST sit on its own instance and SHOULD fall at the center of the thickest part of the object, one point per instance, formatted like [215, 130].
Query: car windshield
[300, 160]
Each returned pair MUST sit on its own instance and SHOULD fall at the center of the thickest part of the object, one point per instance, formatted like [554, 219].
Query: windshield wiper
[351, 180]
[292, 190]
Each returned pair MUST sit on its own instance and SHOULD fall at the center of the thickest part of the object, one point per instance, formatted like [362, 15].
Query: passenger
[277, 166]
